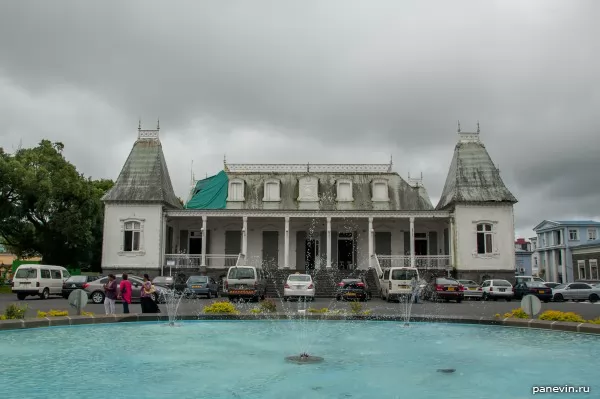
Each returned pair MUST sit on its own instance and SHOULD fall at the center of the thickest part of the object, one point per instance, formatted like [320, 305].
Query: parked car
[245, 282]
[551, 284]
[396, 282]
[300, 286]
[524, 279]
[444, 288]
[540, 290]
[594, 294]
[39, 280]
[95, 289]
[497, 289]
[593, 283]
[574, 291]
[352, 289]
[164, 281]
[201, 285]
[472, 289]
[76, 282]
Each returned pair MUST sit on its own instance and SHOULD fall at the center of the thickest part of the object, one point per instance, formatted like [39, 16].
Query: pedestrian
[110, 294]
[125, 293]
[146, 300]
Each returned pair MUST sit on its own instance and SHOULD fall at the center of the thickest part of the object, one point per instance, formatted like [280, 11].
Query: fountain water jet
[172, 301]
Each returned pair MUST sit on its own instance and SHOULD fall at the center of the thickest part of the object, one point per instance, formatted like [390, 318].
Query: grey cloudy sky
[315, 81]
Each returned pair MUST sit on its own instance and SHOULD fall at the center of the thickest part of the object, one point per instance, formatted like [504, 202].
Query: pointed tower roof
[473, 177]
[144, 177]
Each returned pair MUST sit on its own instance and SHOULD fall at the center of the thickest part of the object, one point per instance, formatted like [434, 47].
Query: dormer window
[380, 190]
[344, 190]
[272, 190]
[236, 190]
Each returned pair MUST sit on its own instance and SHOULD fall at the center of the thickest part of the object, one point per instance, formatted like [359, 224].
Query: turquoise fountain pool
[245, 359]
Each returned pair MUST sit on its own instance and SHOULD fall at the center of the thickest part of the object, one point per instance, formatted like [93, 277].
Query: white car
[497, 289]
[299, 286]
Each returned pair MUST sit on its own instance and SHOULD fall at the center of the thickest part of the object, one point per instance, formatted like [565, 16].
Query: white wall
[149, 256]
[466, 219]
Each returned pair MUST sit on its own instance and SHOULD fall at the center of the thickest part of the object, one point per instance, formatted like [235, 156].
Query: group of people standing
[123, 291]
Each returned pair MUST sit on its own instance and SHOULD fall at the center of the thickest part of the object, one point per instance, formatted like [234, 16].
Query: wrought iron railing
[436, 262]
[186, 261]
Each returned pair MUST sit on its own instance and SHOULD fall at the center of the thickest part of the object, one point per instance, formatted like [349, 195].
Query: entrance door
[270, 249]
[195, 244]
[420, 247]
[233, 246]
[346, 251]
[312, 254]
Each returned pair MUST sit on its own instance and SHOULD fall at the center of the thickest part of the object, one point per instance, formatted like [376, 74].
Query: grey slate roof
[144, 177]
[402, 195]
[473, 177]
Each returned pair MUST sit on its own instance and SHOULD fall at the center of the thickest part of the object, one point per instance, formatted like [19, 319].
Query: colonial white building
[304, 217]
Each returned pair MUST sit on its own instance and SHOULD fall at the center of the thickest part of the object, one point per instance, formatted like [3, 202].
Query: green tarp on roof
[210, 193]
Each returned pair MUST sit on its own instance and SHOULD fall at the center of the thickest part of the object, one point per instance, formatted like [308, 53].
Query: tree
[49, 209]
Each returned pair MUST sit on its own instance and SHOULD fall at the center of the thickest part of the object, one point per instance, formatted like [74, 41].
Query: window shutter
[433, 244]
[407, 242]
[183, 241]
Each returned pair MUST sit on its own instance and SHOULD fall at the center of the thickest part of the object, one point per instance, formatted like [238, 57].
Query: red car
[444, 288]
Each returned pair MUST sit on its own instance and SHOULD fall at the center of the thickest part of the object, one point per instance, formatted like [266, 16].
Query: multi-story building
[555, 240]
[523, 254]
[310, 216]
[585, 260]
[535, 257]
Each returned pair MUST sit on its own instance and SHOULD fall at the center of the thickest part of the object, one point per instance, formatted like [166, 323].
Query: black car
[76, 283]
[353, 289]
[541, 290]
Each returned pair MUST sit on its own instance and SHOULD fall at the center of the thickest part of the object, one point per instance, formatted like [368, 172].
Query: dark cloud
[338, 81]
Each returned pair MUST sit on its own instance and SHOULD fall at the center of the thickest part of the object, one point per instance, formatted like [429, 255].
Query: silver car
[574, 291]
[472, 289]
[95, 289]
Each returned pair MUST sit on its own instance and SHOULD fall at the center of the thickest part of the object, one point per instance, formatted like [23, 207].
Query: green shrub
[594, 321]
[52, 313]
[517, 314]
[14, 311]
[356, 307]
[268, 305]
[221, 307]
[556, 315]
[322, 310]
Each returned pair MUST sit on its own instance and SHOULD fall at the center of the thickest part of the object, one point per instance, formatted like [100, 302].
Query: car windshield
[403, 274]
[241, 273]
[446, 281]
[560, 286]
[536, 284]
[77, 279]
[197, 279]
[501, 283]
[299, 277]
[351, 280]
[467, 282]
[26, 273]
[162, 279]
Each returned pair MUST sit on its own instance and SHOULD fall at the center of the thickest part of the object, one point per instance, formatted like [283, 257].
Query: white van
[245, 282]
[396, 282]
[528, 279]
[42, 280]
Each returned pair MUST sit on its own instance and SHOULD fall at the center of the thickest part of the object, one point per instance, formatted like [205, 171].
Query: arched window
[272, 190]
[132, 234]
[236, 190]
[485, 238]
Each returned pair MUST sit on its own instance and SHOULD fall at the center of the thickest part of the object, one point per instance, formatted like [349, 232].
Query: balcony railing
[187, 261]
[436, 262]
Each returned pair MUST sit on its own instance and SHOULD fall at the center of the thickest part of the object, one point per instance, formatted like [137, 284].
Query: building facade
[523, 257]
[555, 241]
[585, 259]
[535, 257]
[310, 217]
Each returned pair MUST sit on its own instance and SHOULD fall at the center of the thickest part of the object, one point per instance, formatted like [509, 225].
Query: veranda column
[549, 272]
[328, 243]
[412, 242]
[286, 253]
[370, 242]
[245, 236]
[203, 241]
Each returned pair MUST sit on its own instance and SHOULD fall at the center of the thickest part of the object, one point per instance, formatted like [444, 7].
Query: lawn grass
[5, 289]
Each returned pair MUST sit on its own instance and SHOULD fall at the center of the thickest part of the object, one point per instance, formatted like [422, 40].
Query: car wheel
[545, 301]
[594, 298]
[484, 297]
[45, 294]
[458, 300]
[97, 297]
[558, 298]
[21, 297]
[508, 299]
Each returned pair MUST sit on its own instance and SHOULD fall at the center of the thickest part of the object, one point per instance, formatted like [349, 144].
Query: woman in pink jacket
[125, 293]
